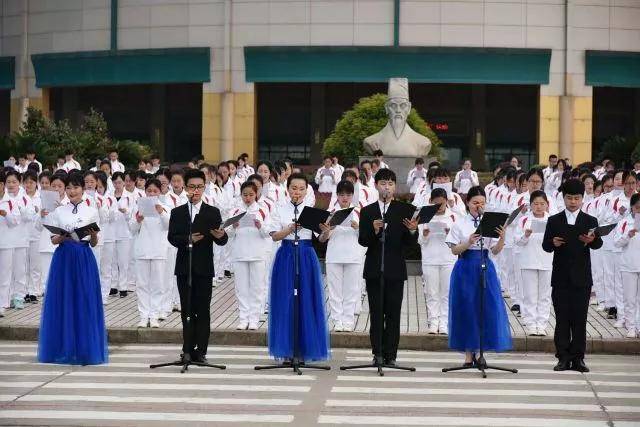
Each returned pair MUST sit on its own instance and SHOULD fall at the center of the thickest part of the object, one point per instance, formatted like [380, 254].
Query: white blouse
[284, 216]
[462, 229]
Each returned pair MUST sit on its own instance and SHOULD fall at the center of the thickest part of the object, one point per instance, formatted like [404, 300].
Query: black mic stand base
[379, 365]
[481, 365]
[295, 364]
[185, 362]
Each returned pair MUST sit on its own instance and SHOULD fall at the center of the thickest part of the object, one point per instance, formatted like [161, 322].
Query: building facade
[493, 78]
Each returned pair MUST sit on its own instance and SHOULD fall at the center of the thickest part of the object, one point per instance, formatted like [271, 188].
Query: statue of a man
[397, 138]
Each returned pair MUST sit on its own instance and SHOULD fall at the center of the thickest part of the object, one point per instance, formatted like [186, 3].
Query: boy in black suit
[397, 236]
[195, 329]
[569, 237]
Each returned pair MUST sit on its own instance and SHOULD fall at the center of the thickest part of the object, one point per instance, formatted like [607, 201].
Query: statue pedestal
[401, 166]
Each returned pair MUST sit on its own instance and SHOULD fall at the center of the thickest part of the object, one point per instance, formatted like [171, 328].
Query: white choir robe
[107, 255]
[437, 265]
[629, 271]
[536, 266]
[8, 222]
[150, 254]
[250, 246]
[615, 211]
[344, 260]
[18, 239]
[34, 267]
[122, 239]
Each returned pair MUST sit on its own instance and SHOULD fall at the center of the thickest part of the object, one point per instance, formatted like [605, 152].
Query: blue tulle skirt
[72, 328]
[313, 337]
[464, 307]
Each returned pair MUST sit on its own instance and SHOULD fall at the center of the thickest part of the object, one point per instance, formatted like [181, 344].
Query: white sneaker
[154, 323]
[443, 330]
[106, 301]
[143, 323]
[1, 312]
[242, 326]
[542, 332]
[632, 333]
[338, 327]
[619, 323]
[348, 327]
[593, 301]
[601, 307]
[162, 316]
[532, 332]
[433, 329]
[253, 326]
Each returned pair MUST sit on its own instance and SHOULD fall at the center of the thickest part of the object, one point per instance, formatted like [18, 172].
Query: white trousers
[45, 265]
[597, 272]
[6, 257]
[631, 285]
[170, 295]
[264, 288]
[536, 304]
[344, 287]
[436, 279]
[34, 269]
[507, 267]
[106, 267]
[150, 274]
[121, 260]
[19, 273]
[131, 271]
[249, 279]
[618, 287]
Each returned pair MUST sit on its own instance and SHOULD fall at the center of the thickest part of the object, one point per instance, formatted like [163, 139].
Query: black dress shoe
[113, 291]
[579, 365]
[33, 298]
[563, 365]
[227, 273]
[123, 294]
[27, 298]
[515, 307]
[390, 362]
[612, 313]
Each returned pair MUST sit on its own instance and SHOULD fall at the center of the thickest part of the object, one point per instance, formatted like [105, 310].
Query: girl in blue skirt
[313, 338]
[464, 291]
[72, 329]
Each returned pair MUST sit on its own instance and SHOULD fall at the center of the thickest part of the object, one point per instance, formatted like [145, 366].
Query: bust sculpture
[397, 138]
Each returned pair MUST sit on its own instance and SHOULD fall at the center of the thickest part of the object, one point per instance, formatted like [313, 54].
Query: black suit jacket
[397, 238]
[571, 261]
[202, 250]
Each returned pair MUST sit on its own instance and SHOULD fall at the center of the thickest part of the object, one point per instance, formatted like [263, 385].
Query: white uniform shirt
[117, 167]
[284, 216]
[150, 235]
[343, 246]
[433, 248]
[463, 228]
[416, 178]
[70, 216]
[613, 215]
[248, 242]
[34, 232]
[532, 256]
[327, 179]
[630, 247]
[18, 236]
[110, 207]
[8, 222]
[71, 164]
[121, 220]
[464, 180]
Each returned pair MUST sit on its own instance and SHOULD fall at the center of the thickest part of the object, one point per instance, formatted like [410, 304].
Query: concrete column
[226, 126]
[566, 127]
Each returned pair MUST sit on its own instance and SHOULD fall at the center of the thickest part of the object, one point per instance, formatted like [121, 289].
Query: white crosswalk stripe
[126, 391]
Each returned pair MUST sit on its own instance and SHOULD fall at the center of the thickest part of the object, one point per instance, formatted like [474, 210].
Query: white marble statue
[397, 138]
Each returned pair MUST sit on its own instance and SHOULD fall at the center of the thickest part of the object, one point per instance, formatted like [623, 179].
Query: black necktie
[75, 207]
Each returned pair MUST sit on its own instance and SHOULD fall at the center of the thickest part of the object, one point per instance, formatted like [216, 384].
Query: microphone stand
[295, 362]
[481, 363]
[379, 363]
[185, 361]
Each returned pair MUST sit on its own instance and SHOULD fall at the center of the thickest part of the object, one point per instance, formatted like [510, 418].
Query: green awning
[7, 72]
[120, 67]
[378, 64]
[611, 68]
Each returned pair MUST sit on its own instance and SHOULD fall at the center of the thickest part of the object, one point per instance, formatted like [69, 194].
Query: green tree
[366, 118]
[618, 149]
